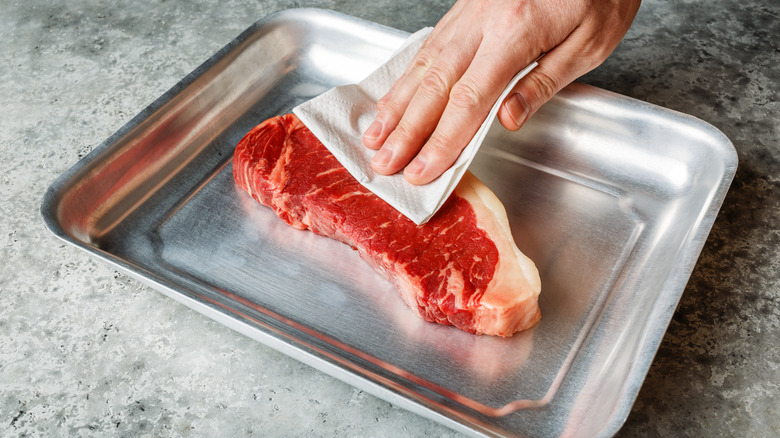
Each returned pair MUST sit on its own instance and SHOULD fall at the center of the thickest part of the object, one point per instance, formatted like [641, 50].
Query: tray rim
[308, 354]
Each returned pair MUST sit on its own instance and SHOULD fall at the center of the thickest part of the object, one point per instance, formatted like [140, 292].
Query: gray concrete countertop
[85, 350]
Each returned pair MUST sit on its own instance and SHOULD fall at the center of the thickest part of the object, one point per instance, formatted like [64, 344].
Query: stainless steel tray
[611, 197]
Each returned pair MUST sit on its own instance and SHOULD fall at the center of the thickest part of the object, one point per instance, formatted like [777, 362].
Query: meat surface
[460, 268]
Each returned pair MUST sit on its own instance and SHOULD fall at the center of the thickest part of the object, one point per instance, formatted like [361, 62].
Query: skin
[433, 110]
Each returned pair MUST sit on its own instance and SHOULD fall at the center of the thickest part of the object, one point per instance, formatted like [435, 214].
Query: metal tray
[611, 197]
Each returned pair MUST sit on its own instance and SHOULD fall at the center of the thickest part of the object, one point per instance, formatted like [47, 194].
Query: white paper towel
[339, 117]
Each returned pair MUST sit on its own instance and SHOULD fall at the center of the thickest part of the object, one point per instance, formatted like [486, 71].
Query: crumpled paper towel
[339, 117]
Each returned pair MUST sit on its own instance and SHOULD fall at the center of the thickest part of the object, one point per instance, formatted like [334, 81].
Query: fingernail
[374, 130]
[416, 167]
[382, 158]
[518, 108]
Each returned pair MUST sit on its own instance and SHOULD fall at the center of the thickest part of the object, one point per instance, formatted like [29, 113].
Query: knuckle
[465, 96]
[392, 109]
[437, 150]
[439, 156]
[404, 132]
[435, 83]
[545, 85]
[422, 61]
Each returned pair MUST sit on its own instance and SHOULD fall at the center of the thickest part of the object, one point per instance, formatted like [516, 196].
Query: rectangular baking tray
[611, 197]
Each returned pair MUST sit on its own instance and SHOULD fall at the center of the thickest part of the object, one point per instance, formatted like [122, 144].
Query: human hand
[436, 107]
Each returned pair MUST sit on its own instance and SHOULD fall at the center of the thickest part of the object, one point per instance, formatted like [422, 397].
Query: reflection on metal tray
[611, 197]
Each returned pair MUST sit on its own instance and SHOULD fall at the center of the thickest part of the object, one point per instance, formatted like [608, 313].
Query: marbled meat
[461, 268]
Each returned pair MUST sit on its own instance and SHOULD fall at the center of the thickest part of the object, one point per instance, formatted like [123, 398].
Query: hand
[433, 110]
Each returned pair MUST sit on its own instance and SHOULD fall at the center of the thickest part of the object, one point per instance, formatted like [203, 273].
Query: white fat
[510, 301]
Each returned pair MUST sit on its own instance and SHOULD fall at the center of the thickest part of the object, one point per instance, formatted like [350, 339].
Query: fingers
[423, 113]
[396, 101]
[393, 104]
[429, 115]
[432, 44]
[469, 101]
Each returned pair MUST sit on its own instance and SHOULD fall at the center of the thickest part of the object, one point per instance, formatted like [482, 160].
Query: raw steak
[461, 267]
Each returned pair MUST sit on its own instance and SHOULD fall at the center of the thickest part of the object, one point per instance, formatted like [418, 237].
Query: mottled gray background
[87, 351]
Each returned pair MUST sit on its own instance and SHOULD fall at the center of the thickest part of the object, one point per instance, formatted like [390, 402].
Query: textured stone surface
[87, 351]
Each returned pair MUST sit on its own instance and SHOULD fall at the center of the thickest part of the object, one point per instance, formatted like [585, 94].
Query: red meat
[460, 268]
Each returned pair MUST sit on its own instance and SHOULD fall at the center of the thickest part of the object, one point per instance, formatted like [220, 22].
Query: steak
[461, 268]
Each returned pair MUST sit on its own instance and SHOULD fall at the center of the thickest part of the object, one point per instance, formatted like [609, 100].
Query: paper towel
[339, 117]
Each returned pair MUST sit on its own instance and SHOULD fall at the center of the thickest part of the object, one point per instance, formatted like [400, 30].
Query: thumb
[536, 88]
[559, 67]
[587, 46]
